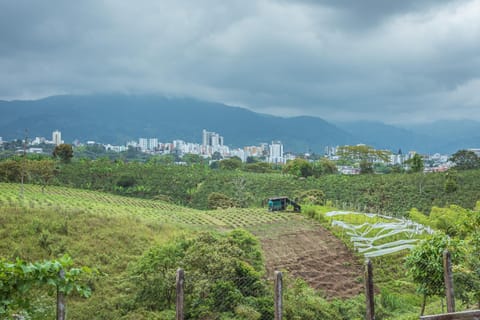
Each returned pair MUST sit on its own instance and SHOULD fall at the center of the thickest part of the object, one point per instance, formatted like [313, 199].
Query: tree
[299, 167]
[451, 184]
[258, 167]
[126, 181]
[416, 163]
[217, 156]
[42, 171]
[397, 168]
[465, 160]
[324, 166]
[10, 171]
[366, 167]
[231, 163]
[312, 197]
[191, 158]
[64, 152]
[241, 194]
[363, 154]
[425, 264]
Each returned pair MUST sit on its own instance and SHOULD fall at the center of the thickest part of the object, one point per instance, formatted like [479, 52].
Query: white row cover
[365, 235]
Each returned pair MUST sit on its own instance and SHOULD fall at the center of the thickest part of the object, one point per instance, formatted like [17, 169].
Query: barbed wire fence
[233, 297]
[212, 296]
[228, 297]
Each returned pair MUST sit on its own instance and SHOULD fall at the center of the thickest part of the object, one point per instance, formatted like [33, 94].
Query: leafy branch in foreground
[18, 278]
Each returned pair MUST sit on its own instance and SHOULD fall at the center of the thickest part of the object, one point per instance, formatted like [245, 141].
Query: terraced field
[59, 198]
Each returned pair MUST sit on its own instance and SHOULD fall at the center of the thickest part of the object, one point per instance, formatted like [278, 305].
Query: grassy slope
[101, 230]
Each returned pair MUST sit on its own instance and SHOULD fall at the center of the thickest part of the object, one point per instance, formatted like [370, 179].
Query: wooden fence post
[369, 294]
[179, 302]
[61, 303]
[278, 295]
[448, 277]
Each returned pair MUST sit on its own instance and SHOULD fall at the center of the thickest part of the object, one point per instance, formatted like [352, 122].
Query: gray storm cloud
[394, 61]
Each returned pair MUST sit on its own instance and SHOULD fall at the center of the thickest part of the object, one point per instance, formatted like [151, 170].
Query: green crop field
[108, 204]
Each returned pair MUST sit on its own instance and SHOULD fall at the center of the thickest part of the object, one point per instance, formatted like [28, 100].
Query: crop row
[62, 198]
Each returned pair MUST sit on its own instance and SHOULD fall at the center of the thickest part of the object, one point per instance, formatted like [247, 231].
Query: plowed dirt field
[309, 251]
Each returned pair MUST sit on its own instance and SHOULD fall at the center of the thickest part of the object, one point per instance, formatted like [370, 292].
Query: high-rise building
[205, 138]
[212, 139]
[276, 152]
[57, 137]
[143, 144]
[152, 144]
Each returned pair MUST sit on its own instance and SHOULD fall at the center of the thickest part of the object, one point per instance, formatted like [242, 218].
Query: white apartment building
[152, 144]
[57, 137]
[276, 152]
[212, 139]
[113, 148]
[143, 144]
[37, 141]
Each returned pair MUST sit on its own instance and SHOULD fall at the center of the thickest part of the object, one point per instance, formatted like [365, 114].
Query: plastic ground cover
[394, 234]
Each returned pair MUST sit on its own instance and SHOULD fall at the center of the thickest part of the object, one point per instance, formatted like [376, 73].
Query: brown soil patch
[314, 254]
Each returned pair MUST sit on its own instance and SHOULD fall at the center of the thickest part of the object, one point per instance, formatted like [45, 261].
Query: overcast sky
[390, 60]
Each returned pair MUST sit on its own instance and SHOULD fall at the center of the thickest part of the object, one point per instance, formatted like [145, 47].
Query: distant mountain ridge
[118, 118]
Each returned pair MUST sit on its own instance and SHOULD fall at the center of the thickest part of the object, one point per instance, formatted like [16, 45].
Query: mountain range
[118, 118]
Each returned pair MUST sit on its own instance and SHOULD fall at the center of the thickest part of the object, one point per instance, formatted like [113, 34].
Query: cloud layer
[394, 61]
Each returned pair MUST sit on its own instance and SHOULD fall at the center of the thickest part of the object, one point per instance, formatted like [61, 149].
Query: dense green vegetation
[223, 276]
[137, 242]
[191, 185]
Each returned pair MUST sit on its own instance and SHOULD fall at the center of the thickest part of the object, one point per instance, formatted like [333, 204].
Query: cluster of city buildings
[33, 146]
[436, 162]
[213, 146]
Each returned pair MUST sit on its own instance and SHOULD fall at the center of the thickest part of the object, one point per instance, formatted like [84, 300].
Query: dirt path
[314, 254]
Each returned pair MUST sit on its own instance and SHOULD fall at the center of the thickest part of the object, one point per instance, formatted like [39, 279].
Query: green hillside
[103, 231]
[122, 236]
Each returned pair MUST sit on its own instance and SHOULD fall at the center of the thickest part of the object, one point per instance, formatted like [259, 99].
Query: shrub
[312, 196]
[218, 200]
[220, 276]
[126, 181]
